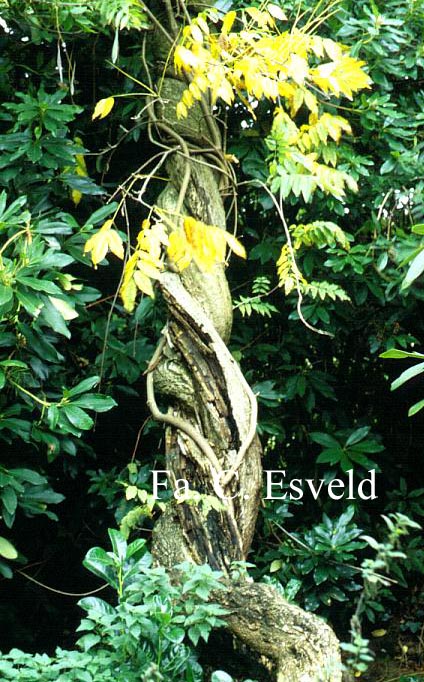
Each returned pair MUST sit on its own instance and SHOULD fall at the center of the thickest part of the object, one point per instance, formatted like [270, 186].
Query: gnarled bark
[211, 414]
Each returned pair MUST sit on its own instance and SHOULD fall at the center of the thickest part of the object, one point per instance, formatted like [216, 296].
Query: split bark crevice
[203, 389]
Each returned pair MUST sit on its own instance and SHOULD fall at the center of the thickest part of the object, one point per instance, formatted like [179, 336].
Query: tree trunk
[211, 417]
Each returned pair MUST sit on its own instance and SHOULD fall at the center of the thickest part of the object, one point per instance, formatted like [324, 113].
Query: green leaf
[99, 563]
[275, 565]
[96, 604]
[31, 302]
[357, 436]
[415, 408]
[414, 271]
[96, 402]
[7, 550]
[221, 676]
[101, 214]
[77, 417]
[406, 375]
[6, 294]
[119, 544]
[324, 439]
[88, 641]
[44, 285]
[136, 549]
[53, 319]
[397, 354]
[9, 499]
[330, 455]
[83, 386]
[28, 475]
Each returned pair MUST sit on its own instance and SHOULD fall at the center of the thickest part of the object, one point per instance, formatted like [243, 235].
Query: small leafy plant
[147, 635]
[318, 562]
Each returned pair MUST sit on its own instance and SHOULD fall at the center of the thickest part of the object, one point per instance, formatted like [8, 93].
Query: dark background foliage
[325, 401]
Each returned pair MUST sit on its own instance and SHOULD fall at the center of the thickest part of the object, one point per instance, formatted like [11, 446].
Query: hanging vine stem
[279, 207]
[176, 422]
[65, 594]
[187, 170]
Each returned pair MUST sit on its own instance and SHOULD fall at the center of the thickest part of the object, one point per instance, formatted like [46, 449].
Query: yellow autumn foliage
[102, 242]
[204, 244]
[251, 56]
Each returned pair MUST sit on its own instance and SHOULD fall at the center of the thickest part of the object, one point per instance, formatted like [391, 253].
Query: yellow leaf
[225, 92]
[228, 22]
[115, 244]
[195, 90]
[76, 196]
[297, 68]
[103, 241]
[148, 266]
[7, 550]
[103, 108]
[98, 245]
[203, 25]
[107, 225]
[185, 58]
[144, 284]
[277, 12]
[310, 101]
[196, 33]
[234, 244]
[344, 76]
[379, 632]
[179, 251]
[128, 289]
[181, 110]
[334, 50]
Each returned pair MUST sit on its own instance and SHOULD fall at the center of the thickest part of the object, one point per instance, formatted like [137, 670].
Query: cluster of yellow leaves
[250, 56]
[288, 272]
[145, 264]
[106, 239]
[317, 234]
[205, 244]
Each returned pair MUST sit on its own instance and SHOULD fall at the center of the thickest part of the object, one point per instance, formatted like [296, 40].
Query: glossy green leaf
[407, 375]
[7, 550]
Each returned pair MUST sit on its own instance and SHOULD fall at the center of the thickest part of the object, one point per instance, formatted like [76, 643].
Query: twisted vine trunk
[211, 415]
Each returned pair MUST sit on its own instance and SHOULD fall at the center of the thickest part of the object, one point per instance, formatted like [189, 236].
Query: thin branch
[65, 594]
[176, 422]
[280, 211]
[158, 24]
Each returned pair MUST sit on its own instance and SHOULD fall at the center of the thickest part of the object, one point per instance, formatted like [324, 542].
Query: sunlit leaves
[289, 275]
[344, 76]
[145, 264]
[250, 56]
[105, 240]
[205, 244]
[103, 108]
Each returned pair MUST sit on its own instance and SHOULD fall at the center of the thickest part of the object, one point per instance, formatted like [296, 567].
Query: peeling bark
[204, 388]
